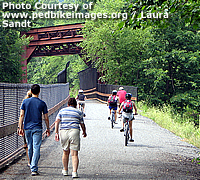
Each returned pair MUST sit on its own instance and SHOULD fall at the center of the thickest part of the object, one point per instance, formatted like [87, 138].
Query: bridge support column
[26, 58]
[24, 69]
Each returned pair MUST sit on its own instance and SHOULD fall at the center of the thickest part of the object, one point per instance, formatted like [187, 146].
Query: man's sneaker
[109, 118]
[122, 130]
[64, 172]
[131, 140]
[34, 173]
[74, 175]
[116, 122]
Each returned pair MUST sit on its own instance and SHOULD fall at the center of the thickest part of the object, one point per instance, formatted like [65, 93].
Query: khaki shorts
[70, 139]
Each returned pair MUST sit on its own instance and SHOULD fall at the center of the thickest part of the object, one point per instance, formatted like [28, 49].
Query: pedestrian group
[69, 121]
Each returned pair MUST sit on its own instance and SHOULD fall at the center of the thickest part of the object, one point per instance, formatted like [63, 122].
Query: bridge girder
[52, 41]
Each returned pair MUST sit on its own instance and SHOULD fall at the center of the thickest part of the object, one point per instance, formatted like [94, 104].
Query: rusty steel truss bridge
[52, 41]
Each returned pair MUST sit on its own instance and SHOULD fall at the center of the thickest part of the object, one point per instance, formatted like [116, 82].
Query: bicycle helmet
[114, 92]
[128, 96]
[80, 91]
[121, 88]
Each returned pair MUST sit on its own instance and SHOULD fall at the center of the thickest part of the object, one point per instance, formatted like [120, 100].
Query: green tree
[116, 54]
[11, 46]
[173, 69]
[45, 70]
[187, 9]
[11, 50]
[162, 62]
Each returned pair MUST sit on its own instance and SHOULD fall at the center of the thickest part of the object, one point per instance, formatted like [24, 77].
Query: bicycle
[126, 130]
[112, 118]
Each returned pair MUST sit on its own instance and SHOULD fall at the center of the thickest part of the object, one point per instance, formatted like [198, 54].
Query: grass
[173, 122]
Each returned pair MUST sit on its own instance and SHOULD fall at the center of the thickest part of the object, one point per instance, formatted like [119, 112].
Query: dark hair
[35, 89]
[128, 96]
[72, 102]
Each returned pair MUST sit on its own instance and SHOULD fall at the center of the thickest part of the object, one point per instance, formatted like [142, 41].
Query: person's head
[121, 88]
[128, 96]
[35, 89]
[72, 102]
[80, 91]
[114, 92]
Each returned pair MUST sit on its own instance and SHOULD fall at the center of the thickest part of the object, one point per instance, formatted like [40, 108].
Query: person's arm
[46, 118]
[120, 109]
[118, 100]
[134, 106]
[83, 129]
[20, 123]
[108, 100]
[56, 129]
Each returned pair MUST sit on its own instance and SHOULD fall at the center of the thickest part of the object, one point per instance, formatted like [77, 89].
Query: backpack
[128, 106]
[112, 100]
[81, 97]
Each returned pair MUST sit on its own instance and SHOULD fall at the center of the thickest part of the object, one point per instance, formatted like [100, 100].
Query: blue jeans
[34, 141]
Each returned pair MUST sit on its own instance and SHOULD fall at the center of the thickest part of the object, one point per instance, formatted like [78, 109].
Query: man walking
[69, 135]
[31, 116]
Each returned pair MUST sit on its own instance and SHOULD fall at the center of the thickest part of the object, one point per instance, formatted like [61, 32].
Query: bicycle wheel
[126, 135]
[112, 120]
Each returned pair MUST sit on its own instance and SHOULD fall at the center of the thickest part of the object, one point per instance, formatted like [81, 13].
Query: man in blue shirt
[30, 123]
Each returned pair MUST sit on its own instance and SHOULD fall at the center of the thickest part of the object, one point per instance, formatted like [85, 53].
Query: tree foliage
[112, 51]
[45, 70]
[173, 69]
[11, 48]
[162, 62]
[187, 9]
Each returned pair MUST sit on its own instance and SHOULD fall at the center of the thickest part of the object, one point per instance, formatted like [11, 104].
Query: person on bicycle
[112, 103]
[127, 107]
[81, 100]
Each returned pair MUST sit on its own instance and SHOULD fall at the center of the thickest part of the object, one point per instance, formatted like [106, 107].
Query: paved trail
[155, 154]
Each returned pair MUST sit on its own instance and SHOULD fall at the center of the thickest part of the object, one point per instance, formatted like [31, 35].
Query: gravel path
[155, 154]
